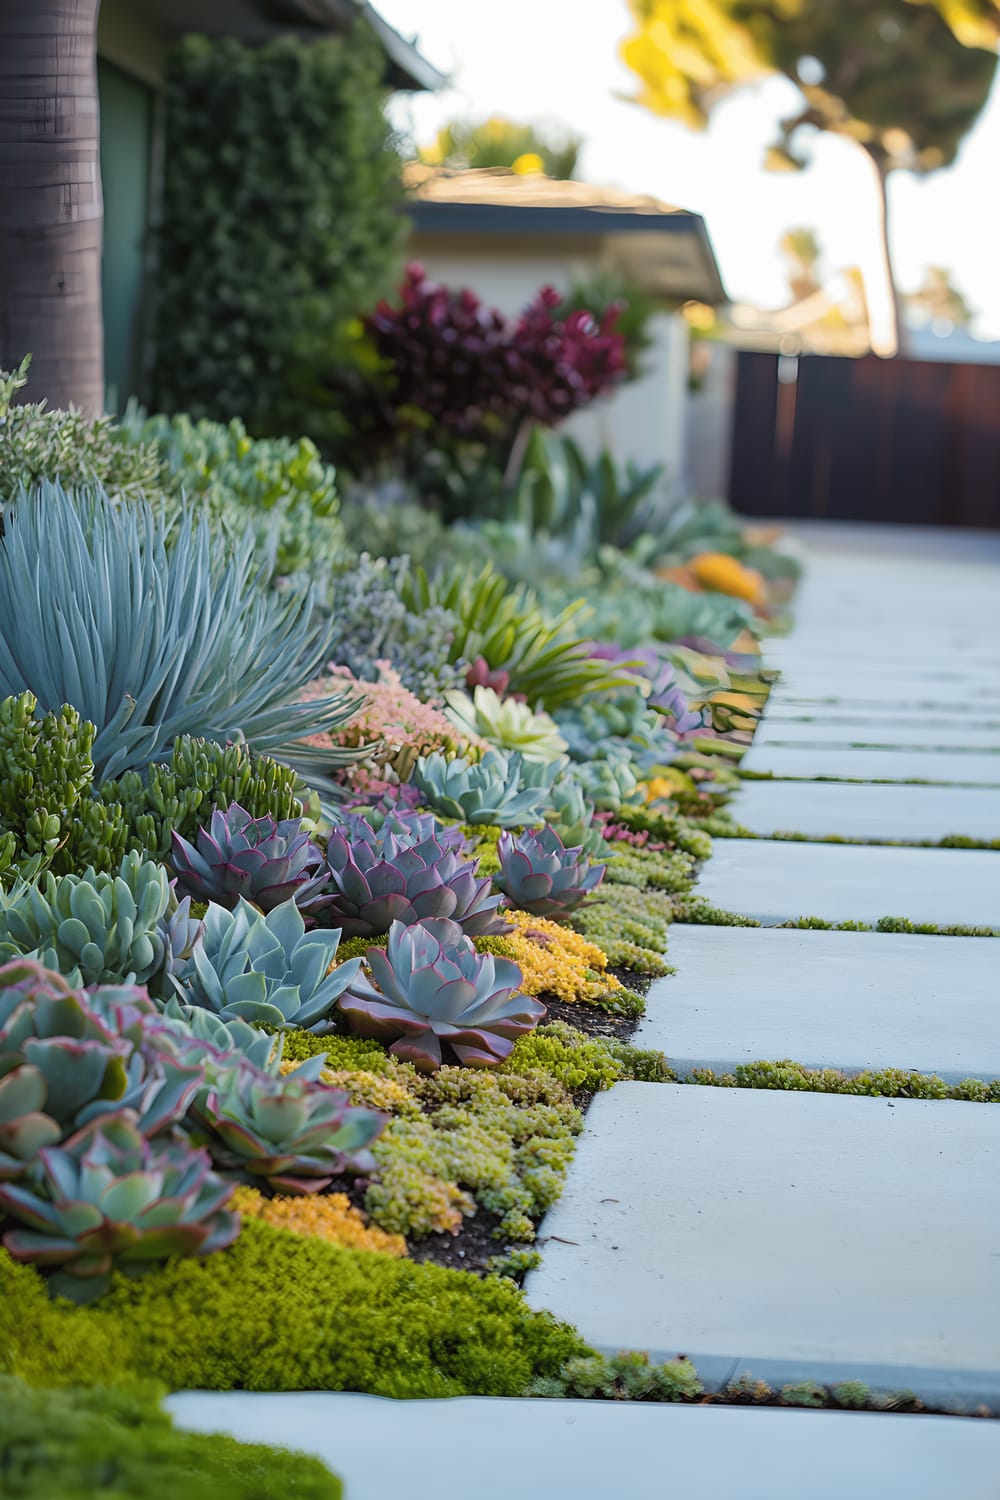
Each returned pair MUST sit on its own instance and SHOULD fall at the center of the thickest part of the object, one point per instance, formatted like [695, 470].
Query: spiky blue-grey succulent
[538, 874]
[266, 970]
[433, 991]
[376, 879]
[108, 1197]
[500, 789]
[94, 928]
[239, 855]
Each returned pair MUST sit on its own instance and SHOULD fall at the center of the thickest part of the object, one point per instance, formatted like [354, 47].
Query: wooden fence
[867, 439]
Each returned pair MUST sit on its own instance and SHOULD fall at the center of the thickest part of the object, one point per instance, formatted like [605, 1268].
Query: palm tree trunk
[50, 199]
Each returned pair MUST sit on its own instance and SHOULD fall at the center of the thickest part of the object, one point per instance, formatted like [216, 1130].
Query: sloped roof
[665, 248]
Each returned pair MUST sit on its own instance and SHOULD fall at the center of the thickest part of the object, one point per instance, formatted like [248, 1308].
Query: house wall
[644, 421]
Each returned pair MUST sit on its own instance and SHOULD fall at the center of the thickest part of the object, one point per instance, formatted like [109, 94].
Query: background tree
[938, 300]
[498, 142]
[903, 79]
[50, 199]
[801, 249]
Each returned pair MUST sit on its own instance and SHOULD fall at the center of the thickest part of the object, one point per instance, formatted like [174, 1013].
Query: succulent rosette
[501, 789]
[435, 992]
[295, 1132]
[538, 874]
[380, 878]
[506, 723]
[108, 1197]
[239, 855]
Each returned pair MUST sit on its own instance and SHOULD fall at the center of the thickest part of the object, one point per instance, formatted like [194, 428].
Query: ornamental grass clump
[266, 970]
[109, 1198]
[538, 874]
[400, 875]
[434, 991]
[262, 861]
[151, 629]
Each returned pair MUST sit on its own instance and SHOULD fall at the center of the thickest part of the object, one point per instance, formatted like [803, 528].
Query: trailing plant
[139, 631]
[304, 207]
[435, 990]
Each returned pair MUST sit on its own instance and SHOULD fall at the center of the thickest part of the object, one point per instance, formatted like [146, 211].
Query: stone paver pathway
[567, 1450]
[827, 999]
[805, 1235]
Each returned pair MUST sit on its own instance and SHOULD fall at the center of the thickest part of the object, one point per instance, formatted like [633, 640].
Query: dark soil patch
[469, 1250]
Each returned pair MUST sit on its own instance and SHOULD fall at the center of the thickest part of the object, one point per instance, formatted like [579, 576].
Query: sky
[555, 61]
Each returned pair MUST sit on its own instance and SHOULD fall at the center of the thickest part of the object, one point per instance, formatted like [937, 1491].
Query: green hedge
[281, 223]
[116, 1441]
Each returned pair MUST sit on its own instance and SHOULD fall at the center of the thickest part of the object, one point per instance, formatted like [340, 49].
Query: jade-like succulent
[25, 1128]
[379, 878]
[506, 723]
[108, 1197]
[95, 928]
[435, 991]
[491, 790]
[538, 874]
[264, 969]
[239, 855]
[296, 1133]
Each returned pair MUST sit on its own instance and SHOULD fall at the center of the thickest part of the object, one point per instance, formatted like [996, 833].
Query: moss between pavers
[886, 1083]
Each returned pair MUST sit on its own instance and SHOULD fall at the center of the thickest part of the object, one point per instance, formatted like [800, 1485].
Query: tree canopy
[499, 142]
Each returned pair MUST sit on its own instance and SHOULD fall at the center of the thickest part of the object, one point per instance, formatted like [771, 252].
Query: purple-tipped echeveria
[407, 824]
[538, 874]
[239, 855]
[108, 1197]
[659, 674]
[293, 1131]
[435, 992]
[378, 879]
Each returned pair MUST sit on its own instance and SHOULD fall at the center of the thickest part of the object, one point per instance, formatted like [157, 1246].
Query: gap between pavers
[878, 717]
[839, 809]
[935, 736]
[845, 1000]
[811, 763]
[600, 1450]
[777, 882]
[791, 1235]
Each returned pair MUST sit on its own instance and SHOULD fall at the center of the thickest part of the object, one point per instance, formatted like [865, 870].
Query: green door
[126, 149]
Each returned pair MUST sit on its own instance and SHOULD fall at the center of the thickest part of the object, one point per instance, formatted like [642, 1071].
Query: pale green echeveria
[94, 928]
[506, 723]
[109, 1198]
[572, 816]
[295, 1133]
[154, 627]
[266, 970]
[501, 789]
